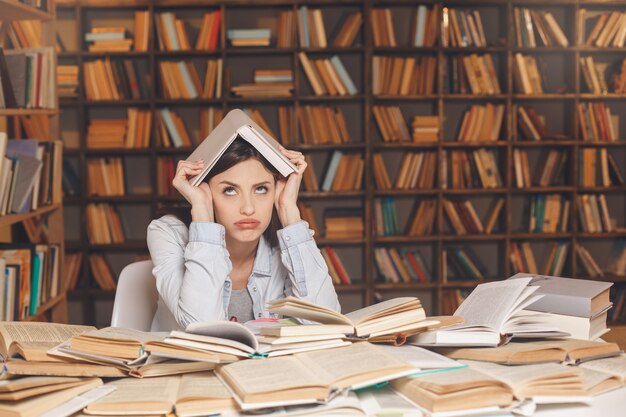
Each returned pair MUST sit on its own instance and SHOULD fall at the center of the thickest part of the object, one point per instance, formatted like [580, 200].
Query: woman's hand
[199, 197]
[287, 190]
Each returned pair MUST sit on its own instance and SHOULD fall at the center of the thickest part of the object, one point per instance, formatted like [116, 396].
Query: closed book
[574, 297]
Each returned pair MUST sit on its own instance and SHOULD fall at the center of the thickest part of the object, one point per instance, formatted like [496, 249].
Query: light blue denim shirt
[192, 268]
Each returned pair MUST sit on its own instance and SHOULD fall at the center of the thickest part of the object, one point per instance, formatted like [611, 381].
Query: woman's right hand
[199, 197]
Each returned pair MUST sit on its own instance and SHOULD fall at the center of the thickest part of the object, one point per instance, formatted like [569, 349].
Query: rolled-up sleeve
[306, 267]
[190, 275]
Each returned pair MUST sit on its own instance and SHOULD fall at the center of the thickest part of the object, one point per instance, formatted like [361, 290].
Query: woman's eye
[230, 191]
[261, 189]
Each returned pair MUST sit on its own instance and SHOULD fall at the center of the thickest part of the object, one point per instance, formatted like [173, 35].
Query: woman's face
[243, 200]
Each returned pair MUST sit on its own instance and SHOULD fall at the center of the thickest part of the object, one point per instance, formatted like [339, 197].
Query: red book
[341, 271]
[416, 267]
[215, 32]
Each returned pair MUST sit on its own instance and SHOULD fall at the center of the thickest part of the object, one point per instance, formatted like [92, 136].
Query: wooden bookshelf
[55, 308]
[565, 91]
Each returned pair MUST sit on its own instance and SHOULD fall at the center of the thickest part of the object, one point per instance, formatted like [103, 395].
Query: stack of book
[327, 76]
[179, 80]
[276, 82]
[425, 128]
[208, 38]
[67, 80]
[597, 167]
[575, 306]
[108, 39]
[343, 223]
[533, 24]
[418, 171]
[477, 72]
[250, 37]
[383, 30]
[107, 133]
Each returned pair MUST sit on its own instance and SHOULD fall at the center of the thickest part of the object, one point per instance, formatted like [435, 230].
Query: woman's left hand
[286, 201]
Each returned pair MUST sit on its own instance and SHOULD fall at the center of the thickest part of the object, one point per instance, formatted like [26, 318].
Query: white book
[491, 317]
[238, 124]
[568, 296]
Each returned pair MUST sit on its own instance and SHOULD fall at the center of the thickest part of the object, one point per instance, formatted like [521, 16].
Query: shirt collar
[263, 259]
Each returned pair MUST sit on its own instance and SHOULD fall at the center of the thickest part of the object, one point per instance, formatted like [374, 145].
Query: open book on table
[193, 394]
[237, 123]
[491, 317]
[537, 351]
[236, 339]
[398, 317]
[310, 377]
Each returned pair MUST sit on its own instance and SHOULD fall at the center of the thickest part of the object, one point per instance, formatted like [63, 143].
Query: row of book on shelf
[28, 174]
[30, 275]
[27, 78]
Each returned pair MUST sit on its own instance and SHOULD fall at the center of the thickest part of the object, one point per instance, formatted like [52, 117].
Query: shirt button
[259, 315]
[254, 289]
[227, 284]
[287, 238]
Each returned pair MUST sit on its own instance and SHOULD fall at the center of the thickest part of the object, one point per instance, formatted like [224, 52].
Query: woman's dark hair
[237, 152]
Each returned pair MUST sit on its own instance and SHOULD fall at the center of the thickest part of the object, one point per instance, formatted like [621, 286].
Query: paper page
[520, 375]
[614, 366]
[385, 401]
[201, 385]
[383, 308]
[266, 375]
[222, 329]
[295, 307]
[455, 379]
[37, 334]
[124, 334]
[592, 378]
[333, 365]
[421, 358]
[134, 390]
[80, 402]
[489, 303]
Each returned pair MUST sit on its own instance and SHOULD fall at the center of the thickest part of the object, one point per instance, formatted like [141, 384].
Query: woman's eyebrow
[229, 183]
[237, 185]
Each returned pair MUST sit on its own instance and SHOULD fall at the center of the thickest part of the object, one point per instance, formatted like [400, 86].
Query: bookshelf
[47, 218]
[564, 90]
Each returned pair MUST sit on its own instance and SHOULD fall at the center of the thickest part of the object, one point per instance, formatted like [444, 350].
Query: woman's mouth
[247, 224]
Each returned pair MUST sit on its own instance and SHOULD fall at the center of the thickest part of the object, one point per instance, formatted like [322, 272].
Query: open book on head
[237, 123]
[403, 315]
[491, 317]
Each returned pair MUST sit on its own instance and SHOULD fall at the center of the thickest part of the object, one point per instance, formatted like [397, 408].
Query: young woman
[229, 259]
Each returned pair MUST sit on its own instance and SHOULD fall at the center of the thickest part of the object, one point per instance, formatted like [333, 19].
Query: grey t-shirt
[240, 305]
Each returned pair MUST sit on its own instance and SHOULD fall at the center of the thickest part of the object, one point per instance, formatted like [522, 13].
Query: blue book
[171, 128]
[35, 283]
[331, 171]
[170, 26]
[343, 74]
[304, 21]
[420, 25]
[249, 33]
[105, 36]
[187, 80]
